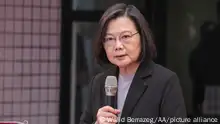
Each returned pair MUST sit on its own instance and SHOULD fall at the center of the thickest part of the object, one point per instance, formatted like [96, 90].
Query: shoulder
[164, 74]
[100, 77]
[163, 71]
[103, 74]
[165, 80]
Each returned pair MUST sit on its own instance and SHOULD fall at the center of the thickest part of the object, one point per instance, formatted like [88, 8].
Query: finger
[110, 109]
[112, 120]
[107, 123]
[107, 115]
[104, 112]
[105, 120]
[117, 111]
[101, 120]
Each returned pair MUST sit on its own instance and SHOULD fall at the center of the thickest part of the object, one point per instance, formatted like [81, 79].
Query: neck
[130, 69]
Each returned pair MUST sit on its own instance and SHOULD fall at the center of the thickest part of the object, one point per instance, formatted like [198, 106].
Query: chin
[122, 64]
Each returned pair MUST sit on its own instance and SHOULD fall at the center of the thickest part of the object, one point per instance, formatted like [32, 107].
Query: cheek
[109, 55]
[136, 53]
[134, 50]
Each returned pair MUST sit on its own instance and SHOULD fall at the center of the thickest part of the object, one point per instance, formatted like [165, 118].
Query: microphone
[111, 88]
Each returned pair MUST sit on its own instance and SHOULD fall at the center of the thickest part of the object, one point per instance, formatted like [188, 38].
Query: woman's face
[122, 42]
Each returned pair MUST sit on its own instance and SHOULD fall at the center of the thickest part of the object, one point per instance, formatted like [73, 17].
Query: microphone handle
[110, 101]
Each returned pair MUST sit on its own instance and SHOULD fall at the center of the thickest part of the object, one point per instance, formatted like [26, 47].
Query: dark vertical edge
[13, 59]
[39, 77]
[4, 53]
[148, 12]
[57, 60]
[218, 11]
[48, 63]
[159, 22]
[31, 62]
[65, 62]
[22, 64]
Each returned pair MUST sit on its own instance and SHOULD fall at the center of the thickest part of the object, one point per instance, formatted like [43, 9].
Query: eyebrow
[118, 32]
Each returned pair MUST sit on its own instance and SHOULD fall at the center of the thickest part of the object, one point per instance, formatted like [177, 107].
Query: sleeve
[173, 104]
[87, 117]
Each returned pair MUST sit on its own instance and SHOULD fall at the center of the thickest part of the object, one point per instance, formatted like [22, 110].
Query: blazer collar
[145, 69]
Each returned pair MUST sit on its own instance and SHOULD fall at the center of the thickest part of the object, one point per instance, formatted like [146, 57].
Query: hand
[107, 115]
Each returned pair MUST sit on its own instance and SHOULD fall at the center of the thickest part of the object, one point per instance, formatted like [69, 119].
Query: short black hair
[148, 48]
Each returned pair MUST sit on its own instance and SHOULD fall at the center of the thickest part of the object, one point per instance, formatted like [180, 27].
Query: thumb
[117, 111]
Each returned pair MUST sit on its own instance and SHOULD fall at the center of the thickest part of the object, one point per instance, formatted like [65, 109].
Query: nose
[118, 45]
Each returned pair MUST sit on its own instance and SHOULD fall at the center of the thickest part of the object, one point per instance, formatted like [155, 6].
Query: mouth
[120, 56]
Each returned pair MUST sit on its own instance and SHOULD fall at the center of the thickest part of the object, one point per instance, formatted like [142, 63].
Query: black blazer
[154, 92]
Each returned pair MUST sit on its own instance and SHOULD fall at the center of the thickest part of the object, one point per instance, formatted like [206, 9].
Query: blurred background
[46, 54]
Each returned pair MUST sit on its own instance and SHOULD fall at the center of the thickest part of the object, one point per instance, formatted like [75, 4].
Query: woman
[145, 89]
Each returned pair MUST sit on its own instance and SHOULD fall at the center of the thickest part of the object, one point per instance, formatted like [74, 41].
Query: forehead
[120, 24]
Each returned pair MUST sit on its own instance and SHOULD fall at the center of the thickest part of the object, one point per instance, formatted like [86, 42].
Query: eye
[109, 39]
[126, 36]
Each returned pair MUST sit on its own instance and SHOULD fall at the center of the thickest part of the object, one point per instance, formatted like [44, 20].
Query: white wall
[184, 17]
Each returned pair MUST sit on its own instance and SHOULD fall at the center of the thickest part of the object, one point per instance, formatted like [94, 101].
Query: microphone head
[111, 86]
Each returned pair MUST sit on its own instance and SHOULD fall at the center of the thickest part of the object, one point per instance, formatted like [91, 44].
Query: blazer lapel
[137, 88]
